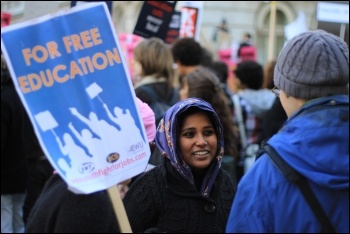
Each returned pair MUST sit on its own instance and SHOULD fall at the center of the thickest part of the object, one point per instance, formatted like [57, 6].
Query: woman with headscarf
[188, 191]
[204, 84]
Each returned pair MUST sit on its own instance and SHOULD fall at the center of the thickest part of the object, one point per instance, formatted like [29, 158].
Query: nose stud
[206, 142]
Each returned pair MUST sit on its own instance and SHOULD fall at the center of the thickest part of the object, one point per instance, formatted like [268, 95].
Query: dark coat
[161, 199]
[272, 120]
[164, 92]
[15, 125]
[59, 210]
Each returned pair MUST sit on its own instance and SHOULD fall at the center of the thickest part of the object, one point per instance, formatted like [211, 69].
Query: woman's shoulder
[149, 178]
[226, 179]
[54, 183]
[147, 188]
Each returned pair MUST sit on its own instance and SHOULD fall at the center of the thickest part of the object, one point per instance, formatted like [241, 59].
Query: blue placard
[69, 71]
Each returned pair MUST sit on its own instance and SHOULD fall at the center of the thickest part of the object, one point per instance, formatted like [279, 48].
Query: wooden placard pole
[119, 210]
[272, 31]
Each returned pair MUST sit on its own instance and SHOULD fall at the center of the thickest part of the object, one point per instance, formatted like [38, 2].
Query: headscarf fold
[166, 140]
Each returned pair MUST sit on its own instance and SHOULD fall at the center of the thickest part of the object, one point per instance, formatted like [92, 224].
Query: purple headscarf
[166, 140]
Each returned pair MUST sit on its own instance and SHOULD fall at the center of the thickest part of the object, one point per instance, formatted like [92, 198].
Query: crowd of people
[204, 177]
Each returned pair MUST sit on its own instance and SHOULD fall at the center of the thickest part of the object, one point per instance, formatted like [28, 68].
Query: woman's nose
[201, 141]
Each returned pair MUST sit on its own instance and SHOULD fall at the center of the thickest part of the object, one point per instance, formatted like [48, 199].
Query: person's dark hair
[250, 74]
[220, 69]
[268, 74]
[187, 51]
[248, 35]
[207, 58]
[204, 84]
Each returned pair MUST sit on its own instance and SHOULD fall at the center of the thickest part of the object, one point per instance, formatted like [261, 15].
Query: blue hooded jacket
[315, 142]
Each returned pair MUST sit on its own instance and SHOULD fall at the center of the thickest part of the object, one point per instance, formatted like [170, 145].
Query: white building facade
[241, 16]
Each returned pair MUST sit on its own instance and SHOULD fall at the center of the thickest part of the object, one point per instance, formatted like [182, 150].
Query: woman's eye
[188, 134]
[209, 132]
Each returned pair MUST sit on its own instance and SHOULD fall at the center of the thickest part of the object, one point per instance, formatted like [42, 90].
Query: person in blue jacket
[312, 81]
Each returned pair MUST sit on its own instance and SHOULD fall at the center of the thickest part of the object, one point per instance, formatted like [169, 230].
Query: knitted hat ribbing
[313, 64]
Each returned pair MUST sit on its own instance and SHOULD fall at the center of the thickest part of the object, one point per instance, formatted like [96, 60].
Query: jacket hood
[259, 100]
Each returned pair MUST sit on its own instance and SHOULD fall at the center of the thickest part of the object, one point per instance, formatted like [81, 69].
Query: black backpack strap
[303, 185]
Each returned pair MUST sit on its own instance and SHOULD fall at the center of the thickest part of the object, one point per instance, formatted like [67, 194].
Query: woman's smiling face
[198, 140]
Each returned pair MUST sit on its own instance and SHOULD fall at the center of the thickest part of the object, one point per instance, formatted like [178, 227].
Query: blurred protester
[207, 57]
[273, 118]
[246, 41]
[58, 210]
[153, 64]
[187, 54]
[253, 102]
[312, 81]
[15, 131]
[203, 83]
[220, 28]
[221, 70]
[246, 50]
[188, 192]
[39, 169]
[268, 75]
[222, 35]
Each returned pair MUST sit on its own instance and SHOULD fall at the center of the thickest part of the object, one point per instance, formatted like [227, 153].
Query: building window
[284, 15]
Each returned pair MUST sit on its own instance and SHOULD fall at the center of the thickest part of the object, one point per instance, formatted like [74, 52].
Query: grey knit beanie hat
[313, 64]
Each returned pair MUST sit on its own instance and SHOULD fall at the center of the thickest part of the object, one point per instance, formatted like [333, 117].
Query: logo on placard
[113, 157]
[136, 147]
[86, 167]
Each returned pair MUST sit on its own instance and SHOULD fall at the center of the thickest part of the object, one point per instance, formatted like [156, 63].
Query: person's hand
[126, 182]
[123, 188]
